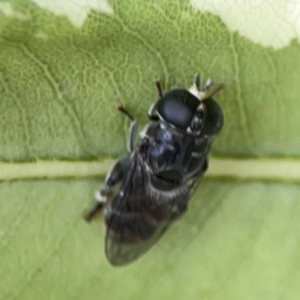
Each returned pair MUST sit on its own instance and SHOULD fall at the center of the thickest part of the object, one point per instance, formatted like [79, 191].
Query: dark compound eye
[178, 107]
[214, 117]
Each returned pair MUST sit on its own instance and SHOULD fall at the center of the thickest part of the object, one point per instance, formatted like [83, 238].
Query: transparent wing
[121, 253]
[134, 224]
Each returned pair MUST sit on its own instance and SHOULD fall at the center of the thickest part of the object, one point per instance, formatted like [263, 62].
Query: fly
[149, 188]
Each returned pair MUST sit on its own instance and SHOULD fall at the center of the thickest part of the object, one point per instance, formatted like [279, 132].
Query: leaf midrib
[283, 170]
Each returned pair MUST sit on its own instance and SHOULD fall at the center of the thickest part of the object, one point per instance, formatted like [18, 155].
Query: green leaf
[60, 85]
[237, 241]
[65, 65]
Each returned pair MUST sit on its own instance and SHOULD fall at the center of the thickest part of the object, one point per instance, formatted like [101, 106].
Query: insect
[149, 188]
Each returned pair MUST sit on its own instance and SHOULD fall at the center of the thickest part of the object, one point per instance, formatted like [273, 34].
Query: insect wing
[122, 253]
[132, 226]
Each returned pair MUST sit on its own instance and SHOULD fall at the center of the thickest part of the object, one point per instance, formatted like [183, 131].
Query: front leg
[152, 113]
[133, 127]
[117, 173]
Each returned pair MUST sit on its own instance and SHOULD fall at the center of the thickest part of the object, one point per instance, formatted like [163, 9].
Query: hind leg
[133, 127]
[114, 177]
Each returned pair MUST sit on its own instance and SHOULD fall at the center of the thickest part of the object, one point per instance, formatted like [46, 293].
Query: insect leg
[117, 172]
[152, 112]
[93, 211]
[113, 177]
[133, 127]
[152, 115]
[159, 88]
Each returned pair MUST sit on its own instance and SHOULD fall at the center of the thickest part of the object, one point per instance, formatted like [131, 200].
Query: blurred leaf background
[64, 66]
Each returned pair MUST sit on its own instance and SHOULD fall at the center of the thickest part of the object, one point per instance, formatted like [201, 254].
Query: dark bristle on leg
[125, 112]
[93, 211]
[159, 88]
[197, 81]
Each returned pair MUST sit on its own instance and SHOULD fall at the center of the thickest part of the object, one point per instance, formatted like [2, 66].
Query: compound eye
[176, 113]
[178, 107]
[214, 117]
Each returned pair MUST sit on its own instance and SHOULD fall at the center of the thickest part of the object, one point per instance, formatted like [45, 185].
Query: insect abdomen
[128, 224]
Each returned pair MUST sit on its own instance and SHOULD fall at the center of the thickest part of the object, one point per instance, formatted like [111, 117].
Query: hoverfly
[159, 174]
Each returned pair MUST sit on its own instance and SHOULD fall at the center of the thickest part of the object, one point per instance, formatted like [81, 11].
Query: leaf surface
[64, 67]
